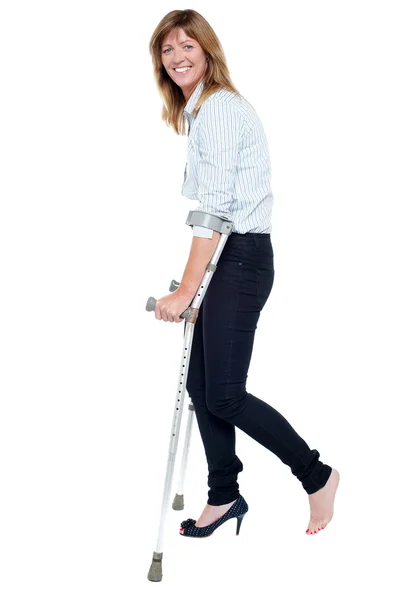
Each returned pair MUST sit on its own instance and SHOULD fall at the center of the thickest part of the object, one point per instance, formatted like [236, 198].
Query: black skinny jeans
[220, 357]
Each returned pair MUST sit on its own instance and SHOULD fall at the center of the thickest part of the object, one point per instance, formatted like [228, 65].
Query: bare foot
[210, 514]
[322, 504]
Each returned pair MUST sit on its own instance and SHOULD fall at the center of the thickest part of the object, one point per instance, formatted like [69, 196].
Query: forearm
[201, 252]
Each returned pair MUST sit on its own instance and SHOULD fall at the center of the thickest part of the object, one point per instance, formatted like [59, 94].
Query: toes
[315, 526]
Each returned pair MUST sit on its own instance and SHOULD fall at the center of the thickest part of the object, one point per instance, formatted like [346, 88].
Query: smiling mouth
[187, 68]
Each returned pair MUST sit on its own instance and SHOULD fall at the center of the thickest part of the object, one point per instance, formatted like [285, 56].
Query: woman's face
[178, 50]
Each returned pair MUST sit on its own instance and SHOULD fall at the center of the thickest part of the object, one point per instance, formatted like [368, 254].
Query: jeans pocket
[264, 284]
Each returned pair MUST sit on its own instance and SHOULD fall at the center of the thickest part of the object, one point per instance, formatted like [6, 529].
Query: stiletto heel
[238, 509]
[239, 521]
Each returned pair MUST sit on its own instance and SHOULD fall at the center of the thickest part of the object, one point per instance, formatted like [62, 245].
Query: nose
[179, 58]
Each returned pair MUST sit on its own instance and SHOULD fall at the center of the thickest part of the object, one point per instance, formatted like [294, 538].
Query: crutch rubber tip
[178, 502]
[155, 572]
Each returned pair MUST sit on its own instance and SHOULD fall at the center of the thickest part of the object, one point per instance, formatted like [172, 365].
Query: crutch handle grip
[151, 304]
[173, 285]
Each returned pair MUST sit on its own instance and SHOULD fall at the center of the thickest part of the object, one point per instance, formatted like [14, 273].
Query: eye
[187, 46]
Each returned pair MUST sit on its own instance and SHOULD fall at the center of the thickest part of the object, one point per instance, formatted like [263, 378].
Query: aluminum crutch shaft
[190, 315]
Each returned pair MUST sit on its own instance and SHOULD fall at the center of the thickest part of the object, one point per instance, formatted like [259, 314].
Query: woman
[228, 172]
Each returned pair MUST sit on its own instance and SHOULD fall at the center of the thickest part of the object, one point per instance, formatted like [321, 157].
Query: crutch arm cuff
[201, 221]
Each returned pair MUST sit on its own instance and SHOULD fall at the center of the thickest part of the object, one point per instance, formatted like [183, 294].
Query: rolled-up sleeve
[218, 148]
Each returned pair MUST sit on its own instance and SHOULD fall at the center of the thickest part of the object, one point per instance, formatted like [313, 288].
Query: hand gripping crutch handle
[151, 302]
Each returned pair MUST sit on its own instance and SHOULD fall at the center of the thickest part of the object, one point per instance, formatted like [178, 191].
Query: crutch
[224, 227]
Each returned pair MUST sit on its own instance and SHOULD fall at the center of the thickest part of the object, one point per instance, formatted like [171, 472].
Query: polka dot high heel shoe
[236, 510]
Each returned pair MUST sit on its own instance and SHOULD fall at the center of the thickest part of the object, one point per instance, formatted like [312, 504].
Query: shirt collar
[193, 98]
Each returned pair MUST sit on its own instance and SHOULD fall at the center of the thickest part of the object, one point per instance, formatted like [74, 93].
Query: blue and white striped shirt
[228, 165]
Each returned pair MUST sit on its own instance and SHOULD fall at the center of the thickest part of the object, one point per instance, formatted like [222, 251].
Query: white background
[93, 223]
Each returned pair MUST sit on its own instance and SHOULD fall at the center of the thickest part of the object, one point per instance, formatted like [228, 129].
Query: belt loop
[256, 241]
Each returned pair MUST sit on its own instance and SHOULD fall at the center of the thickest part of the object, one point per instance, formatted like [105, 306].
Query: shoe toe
[187, 522]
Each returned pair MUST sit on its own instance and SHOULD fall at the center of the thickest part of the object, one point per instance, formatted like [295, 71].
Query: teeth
[183, 69]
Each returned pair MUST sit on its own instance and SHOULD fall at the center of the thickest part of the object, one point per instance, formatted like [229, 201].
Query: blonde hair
[216, 75]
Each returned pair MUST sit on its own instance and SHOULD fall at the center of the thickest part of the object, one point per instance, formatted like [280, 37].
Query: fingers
[162, 315]
[169, 311]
